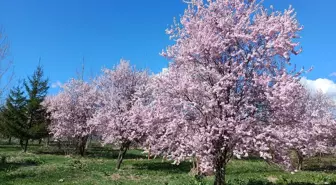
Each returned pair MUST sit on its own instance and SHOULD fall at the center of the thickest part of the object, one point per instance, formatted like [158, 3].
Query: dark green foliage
[36, 89]
[13, 115]
[23, 116]
[4, 130]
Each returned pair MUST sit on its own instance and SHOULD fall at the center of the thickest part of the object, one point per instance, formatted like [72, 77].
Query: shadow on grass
[316, 164]
[49, 150]
[8, 179]
[101, 152]
[92, 152]
[326, 167]
[33, 148]
[114, 155]
[252, 158]
[166, 167]
[13, 165]
[234, 171]
[260, 182]
[5, 148]
[109, 153]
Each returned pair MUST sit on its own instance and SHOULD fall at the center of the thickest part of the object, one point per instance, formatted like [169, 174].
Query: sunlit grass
[38, 168]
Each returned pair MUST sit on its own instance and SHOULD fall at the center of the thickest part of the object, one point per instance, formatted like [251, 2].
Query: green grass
[42, 166]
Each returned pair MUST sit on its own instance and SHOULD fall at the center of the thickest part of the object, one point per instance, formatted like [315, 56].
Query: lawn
[43, 165]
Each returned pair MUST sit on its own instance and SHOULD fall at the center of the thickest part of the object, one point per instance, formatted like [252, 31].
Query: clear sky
[63, 32]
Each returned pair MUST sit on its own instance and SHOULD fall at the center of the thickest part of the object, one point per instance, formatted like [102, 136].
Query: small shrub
[78, 164]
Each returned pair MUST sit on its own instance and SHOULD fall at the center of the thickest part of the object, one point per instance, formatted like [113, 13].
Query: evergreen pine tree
[14, 116]
[4, 130]
[36, 88]
[23, 116]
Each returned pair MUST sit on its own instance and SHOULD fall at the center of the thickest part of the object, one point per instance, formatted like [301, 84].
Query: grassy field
[44, 166]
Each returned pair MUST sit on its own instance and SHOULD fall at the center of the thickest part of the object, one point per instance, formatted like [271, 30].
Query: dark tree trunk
[88, 143]
[46, 143]
[21, 144]
[82, 144]
[26, 146]
[59, 145]
[300, 160]
[48, 140]
[220, 173]
[320, 156]
[123, 149]
[149, 153]
[221, 160]
[82, 150]
[40, 141]
[10, 140]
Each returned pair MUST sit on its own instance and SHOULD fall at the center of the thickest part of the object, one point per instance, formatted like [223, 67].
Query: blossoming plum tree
[209, 103]
[71, 110]
[119, 114]
[303, 119]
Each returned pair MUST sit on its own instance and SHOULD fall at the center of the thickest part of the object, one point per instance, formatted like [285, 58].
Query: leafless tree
[6, 70]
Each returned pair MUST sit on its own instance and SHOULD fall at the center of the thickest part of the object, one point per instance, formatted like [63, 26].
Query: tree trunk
[164, 158]
[195, 166]
[26, 146]
[10, 140]
[40, 141]
[46, 143]
[123, 149]
[21, 144]
[221, 160]
[220, 173]
[82, 150]
[300, 160]
[149, 152]
[89, 142]
[320, 157]
[82, 144]
[59, 145]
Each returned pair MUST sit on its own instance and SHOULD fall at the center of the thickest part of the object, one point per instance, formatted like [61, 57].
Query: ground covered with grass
[44, 165]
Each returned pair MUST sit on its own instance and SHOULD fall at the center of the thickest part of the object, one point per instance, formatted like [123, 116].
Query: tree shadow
[10, 147]
[15, 165]
[261, 182]
[109, 153]
[233, 171]
[59, 152]
[252, 158]
[92, 152]
[316, 164]
[166, 166]
[101, 152]
[8, 179]
[318, 168]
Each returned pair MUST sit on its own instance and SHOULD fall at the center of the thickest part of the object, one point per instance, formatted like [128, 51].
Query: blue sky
[63, 32]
